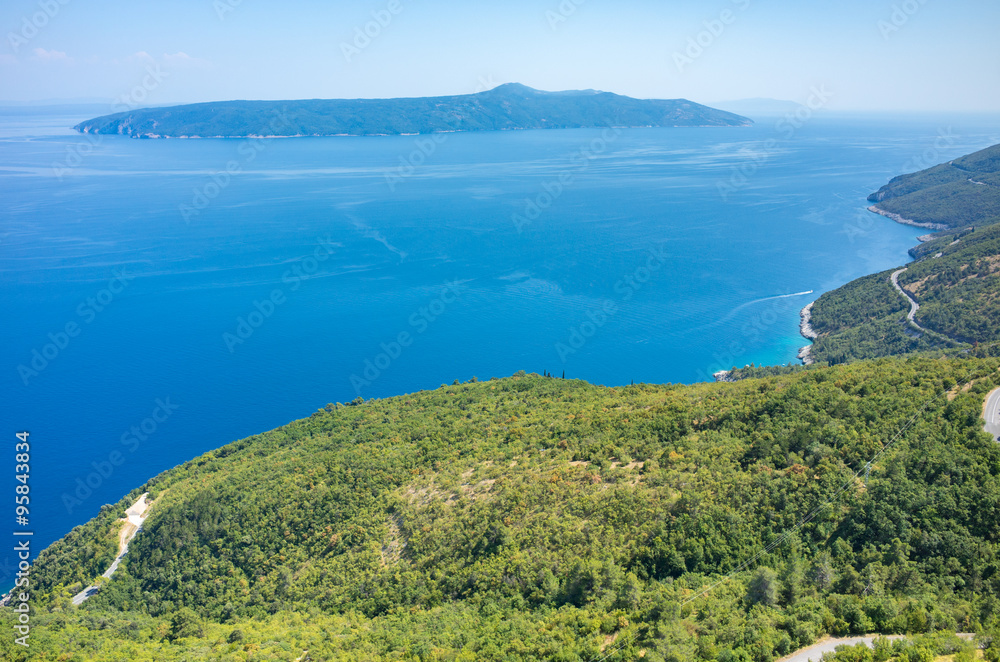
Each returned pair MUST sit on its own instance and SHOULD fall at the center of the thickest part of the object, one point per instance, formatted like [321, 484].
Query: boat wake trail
[732, 313]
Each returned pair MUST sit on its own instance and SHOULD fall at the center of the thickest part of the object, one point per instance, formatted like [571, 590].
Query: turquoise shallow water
[162, 298]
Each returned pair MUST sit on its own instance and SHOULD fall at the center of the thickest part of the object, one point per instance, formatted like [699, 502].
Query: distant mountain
[507, 107]
[67, 109]
[78, 101]
[758, 107]
[958, 194]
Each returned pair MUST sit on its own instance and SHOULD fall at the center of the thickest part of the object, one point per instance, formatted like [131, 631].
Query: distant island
[505, 108]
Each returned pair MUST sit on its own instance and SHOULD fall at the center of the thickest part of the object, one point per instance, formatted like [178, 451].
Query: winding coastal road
[135, 516]
[991, 412]
[914, 306]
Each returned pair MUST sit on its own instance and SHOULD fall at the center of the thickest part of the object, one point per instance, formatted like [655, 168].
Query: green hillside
[955, 278]
[532, 518]
[958, 194]
[958, 293]
[507, 107]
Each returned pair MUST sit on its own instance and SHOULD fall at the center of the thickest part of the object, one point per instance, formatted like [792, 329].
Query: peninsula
[962, 193]
[944, 301]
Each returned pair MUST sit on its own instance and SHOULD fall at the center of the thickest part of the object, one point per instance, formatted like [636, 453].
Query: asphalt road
[814, 653]
[134, 516]
[992, 414]
[914, 306]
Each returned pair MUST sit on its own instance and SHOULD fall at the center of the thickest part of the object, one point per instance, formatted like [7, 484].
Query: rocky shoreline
[805, 328]
[906, 221]
[723, 376]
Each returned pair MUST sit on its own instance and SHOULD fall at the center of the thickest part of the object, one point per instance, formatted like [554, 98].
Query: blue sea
[162, 298]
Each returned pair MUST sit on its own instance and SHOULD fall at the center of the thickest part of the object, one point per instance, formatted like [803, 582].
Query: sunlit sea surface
[164, 297]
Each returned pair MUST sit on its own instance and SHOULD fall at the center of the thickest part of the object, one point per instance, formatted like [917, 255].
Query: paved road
[914, 306]
[134, 518]
[815, 652]
[991, 412]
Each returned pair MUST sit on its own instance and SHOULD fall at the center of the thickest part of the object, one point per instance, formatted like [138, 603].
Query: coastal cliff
[805, 328]
[906, 221]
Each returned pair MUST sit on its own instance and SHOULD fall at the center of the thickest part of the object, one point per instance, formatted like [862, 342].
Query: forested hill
[958, 194]
[955, 278]
[507, 107]
[533, 518]
[957, 287]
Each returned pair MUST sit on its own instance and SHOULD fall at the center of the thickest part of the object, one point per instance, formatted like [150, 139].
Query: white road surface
[992, 414]
[815, 652]
[136, 515]
[914, 306]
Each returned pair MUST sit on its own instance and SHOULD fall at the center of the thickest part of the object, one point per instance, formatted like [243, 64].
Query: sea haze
[651, 255]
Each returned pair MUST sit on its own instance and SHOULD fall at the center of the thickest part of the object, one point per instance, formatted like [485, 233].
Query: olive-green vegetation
[958, 194]
[959, 293]
[865, 319]
[924, 648]
[507, 107]
[753, 371]
[87, 550]
[533, 518]
[938, 242]
[957, 287]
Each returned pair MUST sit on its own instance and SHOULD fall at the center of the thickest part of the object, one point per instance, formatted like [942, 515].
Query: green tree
[763, 587]
[185, 623]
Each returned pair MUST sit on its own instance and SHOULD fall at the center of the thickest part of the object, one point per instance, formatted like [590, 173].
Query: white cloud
[51, 56]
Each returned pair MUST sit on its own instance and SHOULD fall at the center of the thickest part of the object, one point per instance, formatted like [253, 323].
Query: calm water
[633, 264]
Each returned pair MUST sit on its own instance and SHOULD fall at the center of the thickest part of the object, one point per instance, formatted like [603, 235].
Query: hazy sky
[870, 54]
